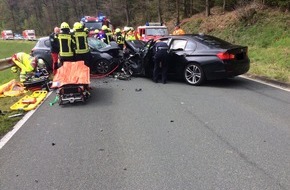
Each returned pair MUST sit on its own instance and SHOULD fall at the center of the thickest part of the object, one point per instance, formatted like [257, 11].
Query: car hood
[108, 48]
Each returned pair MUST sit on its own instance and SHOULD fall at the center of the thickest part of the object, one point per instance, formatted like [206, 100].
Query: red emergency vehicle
[92, 23]
[7, 35]
[152, 31]
[29, 35]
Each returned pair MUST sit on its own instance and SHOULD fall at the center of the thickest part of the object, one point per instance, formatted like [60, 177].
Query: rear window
[211, 41]
[47, 43]
[43, 43]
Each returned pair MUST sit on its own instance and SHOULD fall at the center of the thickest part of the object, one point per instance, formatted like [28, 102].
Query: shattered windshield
[96, 43]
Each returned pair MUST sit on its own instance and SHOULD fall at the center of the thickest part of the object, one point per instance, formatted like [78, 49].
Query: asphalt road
[230, 135]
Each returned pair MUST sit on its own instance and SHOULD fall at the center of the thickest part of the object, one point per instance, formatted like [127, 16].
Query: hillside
[265, 31]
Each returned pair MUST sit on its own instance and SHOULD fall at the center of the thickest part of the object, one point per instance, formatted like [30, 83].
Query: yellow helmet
[14, 69]
[64, 25]
[77, 25]
[118, 30]
[104, 27]
[97, 31]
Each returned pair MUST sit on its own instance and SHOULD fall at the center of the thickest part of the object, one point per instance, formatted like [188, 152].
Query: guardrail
[5, 63]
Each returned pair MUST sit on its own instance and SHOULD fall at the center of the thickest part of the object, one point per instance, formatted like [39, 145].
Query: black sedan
[105, 57]
[195, 58]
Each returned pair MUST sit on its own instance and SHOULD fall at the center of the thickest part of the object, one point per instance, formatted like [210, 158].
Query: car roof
[204, 39]
[43, 42]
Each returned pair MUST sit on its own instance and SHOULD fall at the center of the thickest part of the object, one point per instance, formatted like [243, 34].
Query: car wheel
[193, 74]
[102, 66]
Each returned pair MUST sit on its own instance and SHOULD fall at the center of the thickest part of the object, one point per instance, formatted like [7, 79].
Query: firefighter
[119, 38]
[106, 35]
[82, 50]
[136, 34]
[160, 61]
[54, 49]
[109, 34]
[27, 65]
[126, 30]
[102, 34]
[66, 43]
[178, 30]
[96, 35]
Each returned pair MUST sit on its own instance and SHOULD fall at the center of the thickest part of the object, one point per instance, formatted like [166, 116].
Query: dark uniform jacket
[160, 51]
[54, 44]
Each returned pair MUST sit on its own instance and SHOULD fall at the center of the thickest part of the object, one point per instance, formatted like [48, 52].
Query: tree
[207, 8]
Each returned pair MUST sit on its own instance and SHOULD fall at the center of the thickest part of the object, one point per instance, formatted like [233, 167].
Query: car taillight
[225, 56]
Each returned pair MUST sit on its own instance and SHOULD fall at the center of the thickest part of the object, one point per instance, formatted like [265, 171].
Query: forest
[44, 15]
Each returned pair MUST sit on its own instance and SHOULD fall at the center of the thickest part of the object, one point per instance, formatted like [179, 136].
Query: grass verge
[11, 47]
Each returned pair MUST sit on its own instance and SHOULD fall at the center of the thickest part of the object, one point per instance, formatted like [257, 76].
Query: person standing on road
[82, 50]
[119, 38]
[54, 49]
[160, 61]
[178, 30]
[66, 43]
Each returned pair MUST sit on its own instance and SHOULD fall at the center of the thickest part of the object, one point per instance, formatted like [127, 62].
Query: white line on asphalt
[266, 83]
[10, 134]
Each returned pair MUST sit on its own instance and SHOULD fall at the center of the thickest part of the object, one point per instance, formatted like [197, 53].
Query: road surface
[229, 134]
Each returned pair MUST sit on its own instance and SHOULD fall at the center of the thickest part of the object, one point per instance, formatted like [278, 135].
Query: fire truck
[152, 31]
[92, 23]
[29, 35]
[7, 35]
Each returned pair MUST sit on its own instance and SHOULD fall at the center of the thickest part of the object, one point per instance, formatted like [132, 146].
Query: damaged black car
[194, 58]
[105, 57]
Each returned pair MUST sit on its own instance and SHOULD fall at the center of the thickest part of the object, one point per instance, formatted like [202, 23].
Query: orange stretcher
[72, 81]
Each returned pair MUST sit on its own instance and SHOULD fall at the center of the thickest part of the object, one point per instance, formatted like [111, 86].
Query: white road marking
[10, 134]
[266, 83]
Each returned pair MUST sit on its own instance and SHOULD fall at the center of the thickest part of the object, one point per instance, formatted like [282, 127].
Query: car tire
[102, 66]
[193, 74]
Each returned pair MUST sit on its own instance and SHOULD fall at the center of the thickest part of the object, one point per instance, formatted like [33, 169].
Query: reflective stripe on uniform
[81, 42]
[65, 44]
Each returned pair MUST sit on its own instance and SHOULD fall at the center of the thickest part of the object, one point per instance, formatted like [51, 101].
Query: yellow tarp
[12, 88]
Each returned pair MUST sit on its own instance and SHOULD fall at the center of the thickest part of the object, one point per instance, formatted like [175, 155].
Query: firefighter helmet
[77, 25]
[104, 27]
[118, 30]
[64, 25]
[14, 69]
[97, 31]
